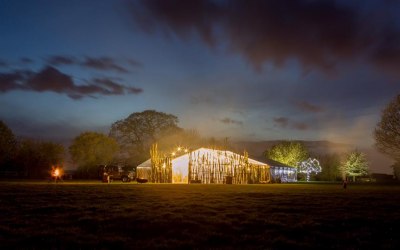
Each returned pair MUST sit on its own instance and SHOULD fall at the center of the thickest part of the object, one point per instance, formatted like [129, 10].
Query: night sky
[247, 70]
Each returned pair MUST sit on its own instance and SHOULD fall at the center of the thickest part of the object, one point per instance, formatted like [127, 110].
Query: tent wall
[283, 174]
[180, 167]
[214, 166]
[143, 173]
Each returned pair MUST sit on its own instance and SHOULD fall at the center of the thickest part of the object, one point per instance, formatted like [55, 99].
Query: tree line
[129, 140]
[27, 158]
[334, 167]
[387, 141]
[127, 144]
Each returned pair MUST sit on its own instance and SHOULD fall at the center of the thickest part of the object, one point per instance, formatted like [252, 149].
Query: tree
[136, 133]
[387, 131]
[330, 164]
[355, 164]
[8, 145]
[309, 166]
[183, 138]
[396, 170]
[35, 158]
[91, 149]
[288, 152]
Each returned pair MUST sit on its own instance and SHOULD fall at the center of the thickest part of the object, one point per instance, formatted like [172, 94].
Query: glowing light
[56, 173]
[309, 166]
[184, 165]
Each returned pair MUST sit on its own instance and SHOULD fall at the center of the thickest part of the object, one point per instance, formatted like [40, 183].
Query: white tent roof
[146, 164]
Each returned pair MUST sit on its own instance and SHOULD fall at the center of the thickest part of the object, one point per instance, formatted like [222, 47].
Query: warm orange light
[56, 172]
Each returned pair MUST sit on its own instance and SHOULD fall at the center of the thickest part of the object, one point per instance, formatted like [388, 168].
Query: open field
[96, 215]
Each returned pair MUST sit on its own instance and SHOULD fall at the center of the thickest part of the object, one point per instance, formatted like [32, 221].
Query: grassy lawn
[116, 215]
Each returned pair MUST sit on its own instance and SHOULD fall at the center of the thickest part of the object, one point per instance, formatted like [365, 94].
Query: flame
[56, 172]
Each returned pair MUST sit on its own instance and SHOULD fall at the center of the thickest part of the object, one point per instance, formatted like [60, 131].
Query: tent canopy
[205, 156]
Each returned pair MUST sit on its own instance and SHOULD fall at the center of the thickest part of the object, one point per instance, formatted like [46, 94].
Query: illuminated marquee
[210, 166]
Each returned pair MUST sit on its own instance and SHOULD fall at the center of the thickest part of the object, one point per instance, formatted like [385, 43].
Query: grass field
[97, 215]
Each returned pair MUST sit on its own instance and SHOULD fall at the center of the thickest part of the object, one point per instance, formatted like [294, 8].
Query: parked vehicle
[109, 173]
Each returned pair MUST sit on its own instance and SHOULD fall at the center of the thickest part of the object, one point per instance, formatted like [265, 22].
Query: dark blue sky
[254, 70]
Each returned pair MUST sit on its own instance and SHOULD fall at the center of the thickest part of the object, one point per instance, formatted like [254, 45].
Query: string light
[178, 150]
[309, 166]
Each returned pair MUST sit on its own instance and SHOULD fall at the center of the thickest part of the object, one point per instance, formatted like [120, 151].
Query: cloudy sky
[253, 70]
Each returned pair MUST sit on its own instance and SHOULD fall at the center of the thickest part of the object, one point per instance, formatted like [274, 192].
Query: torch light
[56, 173]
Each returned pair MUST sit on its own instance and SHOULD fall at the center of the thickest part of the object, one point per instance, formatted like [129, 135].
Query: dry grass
[95, 215]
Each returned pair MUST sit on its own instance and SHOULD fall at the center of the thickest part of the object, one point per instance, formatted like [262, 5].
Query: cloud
[300, 126]
[11, 81]
[61, 60]
[103, 63]
[387, 55]
[51, 79]
[281, 121]
[319, 34]
[308, 107]
[26, 60]
[135, 63]
[116, 88]
[227, 120]
[284, 122]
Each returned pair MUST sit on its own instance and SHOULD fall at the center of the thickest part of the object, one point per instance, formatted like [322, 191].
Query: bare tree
[387, 131]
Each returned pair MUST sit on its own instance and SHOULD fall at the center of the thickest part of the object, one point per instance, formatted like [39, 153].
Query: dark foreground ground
[95, 215]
